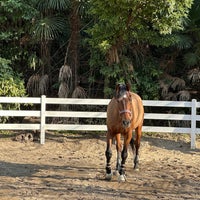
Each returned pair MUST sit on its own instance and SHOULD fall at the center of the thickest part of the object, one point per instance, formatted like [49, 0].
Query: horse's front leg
[119, 150]
[127, 139]
[138, 134]
[108, 154]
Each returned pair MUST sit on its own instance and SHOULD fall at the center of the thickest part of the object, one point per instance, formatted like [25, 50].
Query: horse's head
[124, 101]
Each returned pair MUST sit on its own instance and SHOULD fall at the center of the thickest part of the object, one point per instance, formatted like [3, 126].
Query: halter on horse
[125, 113]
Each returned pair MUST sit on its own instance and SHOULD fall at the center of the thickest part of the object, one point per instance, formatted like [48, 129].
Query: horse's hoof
[108, 177]
[122, 178]
[137, 169]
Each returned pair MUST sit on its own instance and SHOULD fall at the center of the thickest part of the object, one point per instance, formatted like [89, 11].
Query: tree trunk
[73, 47]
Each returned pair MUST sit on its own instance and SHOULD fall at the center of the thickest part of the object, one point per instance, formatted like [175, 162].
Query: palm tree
[51, 24]
[72, 57]
[47, 27]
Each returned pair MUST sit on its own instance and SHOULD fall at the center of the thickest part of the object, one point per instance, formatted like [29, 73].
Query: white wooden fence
[43, 114]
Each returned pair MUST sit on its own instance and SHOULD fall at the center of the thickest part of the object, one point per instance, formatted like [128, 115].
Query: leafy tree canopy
[120, 21]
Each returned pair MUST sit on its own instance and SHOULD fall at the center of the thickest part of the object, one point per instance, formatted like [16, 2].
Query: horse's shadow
[26, 176]
[18, 170]
[170, 144]
[9, 169]
[81, 135]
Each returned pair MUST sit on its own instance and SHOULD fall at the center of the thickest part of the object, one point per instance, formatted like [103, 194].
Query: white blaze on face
[124, 103]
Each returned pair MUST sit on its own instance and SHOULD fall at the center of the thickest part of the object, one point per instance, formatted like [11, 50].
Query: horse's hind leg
[108, 154]
[132, 145]
[138, 134]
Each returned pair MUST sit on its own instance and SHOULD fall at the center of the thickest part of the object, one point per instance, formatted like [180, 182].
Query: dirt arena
[72, 166]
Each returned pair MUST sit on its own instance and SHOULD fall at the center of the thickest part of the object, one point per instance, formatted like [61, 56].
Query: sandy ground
[72, 166]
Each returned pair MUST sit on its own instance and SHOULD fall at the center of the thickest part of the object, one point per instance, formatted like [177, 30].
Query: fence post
[193, 124]
[42, 119]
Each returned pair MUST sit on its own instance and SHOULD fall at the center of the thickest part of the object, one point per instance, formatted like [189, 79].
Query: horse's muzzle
[126, 123]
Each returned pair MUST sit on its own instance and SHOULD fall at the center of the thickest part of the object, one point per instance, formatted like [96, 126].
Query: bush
[11, 85]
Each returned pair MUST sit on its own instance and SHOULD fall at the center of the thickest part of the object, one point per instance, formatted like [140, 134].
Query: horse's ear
[117, 90]
[117, 87]
[128, 87]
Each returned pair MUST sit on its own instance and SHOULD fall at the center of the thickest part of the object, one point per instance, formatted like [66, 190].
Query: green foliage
[147, 77]
[22, 8]
[144, 78]
[16, 19]
[118, 21]
[34, 35]
[168, 15]
[191, 57]
[123, 23]
[11, 83]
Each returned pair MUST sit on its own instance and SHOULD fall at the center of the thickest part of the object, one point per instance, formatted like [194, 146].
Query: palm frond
[164, 88]
[33, 85]
[177, 84]
[79, 92]
[171, 96]
[53, 4]
[183, 41]
[44, 84]
[65, 73]
[183, 95]
[191, 59]
[48, 28]
[63, 90]
[112, 55]
[194, 75]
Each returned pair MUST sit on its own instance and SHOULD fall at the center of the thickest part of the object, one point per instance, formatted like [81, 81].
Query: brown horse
[125, 112]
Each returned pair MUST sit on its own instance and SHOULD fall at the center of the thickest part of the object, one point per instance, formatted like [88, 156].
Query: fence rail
[43, 113]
